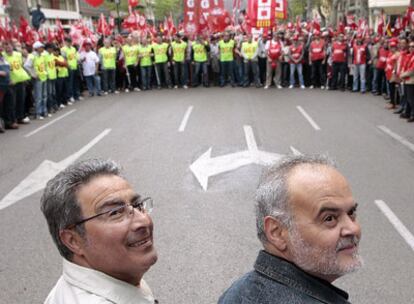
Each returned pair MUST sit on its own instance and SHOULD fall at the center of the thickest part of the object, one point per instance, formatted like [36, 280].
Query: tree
[334, 12]
[17, 9]
[163, 8]
[309, 8]
[296, 8]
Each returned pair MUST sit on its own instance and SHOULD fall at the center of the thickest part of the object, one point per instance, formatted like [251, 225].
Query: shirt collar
[105, 286]
[290, 275]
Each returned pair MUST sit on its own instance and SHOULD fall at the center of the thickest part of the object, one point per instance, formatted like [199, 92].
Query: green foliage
[296, 8]
[163, 8]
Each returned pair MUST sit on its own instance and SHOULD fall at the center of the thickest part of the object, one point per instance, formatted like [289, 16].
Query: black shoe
[403, 115]
[2, 127]
[398, 111]
[411, 119]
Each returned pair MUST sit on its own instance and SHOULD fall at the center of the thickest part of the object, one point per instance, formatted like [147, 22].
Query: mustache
[347, 242]
[140, 235]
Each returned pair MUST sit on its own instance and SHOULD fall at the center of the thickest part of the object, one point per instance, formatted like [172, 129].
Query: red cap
[393, 44]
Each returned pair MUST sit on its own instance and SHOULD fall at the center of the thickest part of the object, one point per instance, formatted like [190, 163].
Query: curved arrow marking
[37, 180]
[206, 166]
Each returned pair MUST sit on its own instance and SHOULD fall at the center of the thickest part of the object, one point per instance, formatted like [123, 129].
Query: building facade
[64, 10]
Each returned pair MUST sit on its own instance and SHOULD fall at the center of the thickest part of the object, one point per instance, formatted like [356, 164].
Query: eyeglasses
[120, 212]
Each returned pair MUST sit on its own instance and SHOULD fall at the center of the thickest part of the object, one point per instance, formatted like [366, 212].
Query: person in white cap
[36, 65]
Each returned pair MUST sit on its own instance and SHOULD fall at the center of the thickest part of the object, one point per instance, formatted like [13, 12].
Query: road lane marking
[185, 119]
[250, 140]
[38, 178]
[398, 225]
[308, 118]
[49, 123]
[397, 137]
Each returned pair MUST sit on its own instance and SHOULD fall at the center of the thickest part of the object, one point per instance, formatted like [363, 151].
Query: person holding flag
[274, 49]
[18, 79]
[145, 55]
[107, 57]
[179, 50]
[51, 78]
[71, 55]
[250, 52]
[160, 49]
[226, 49]
[200, 49]
[36, 65]
[130, 55]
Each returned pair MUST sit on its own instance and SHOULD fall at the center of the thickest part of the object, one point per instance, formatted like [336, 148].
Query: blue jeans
[226, 70]
[109, 80]
[180, 73]
[298, 67]
[359, 76]
[40, 92]
[93, 82]
[146, 77]
[73, 85]
[253, 66]
[51, 94]
[200, 66]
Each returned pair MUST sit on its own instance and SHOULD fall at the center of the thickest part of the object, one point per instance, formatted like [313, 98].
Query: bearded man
[306, 221]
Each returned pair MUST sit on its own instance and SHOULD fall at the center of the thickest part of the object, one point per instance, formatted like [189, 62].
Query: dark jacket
[275, 280]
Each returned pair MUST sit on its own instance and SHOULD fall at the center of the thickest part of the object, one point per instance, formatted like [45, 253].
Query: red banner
[281, 9]
[200, 13]
[261, 13]
[191, 18]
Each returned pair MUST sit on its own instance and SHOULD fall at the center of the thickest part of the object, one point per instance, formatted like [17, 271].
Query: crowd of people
[37, 80]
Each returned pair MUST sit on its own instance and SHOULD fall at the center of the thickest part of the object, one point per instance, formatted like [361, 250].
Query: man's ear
[275, 233]
[71, 239]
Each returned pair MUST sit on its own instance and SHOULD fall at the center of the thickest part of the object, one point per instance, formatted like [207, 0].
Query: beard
[324, 260]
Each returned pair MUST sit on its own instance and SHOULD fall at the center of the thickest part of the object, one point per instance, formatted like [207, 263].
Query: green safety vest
[249, 49]
[108, 57]
[62, 72]
[39, 64]
[17, 72]
[200, 52]
[71, 56]
[160, 52]
[51, 66]
[130, 54]
[226, 50]
[179, 51]
[145, 54]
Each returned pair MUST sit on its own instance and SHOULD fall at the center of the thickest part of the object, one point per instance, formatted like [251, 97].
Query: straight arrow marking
[38, 178]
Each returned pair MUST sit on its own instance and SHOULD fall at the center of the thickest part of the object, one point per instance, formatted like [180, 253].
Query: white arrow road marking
[309, 119]
[185, 119]
[206, 166]
[401, 139]
[37, 180]
[398, 225]
[49, 123]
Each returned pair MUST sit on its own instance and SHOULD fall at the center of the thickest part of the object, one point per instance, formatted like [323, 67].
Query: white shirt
[87, 286]
[90, 62]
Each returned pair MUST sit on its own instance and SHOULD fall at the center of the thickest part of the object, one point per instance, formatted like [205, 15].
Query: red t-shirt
[275, 50]
[389, 67]
[295, 52]
[360, 54]
[339, 52]
[382, 58]
[317, 50]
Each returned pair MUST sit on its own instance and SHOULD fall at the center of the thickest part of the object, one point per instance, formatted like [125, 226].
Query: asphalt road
[206, 239]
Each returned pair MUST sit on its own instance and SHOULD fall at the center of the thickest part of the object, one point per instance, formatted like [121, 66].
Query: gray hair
[59, 203]
[272, 195]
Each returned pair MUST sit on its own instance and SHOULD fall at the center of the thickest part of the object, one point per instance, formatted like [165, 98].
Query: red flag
[410, 14]
[94, 3]
[102, 25]
[398, 26]
[133, 3]
[111, 26]
[380, 27]
[298, 26]
[316, 24]
[350, 21]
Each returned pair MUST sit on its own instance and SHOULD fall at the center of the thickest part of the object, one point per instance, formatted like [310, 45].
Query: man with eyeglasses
[103, 230]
